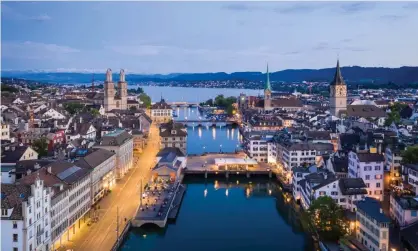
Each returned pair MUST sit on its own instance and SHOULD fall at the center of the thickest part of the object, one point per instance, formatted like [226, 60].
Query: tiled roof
[12, 196]
[351, 186]
[370, 157]
[13, 154]
[95, 158]
[366, 111]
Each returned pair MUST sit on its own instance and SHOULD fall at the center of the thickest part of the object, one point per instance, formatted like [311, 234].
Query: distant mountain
[353, 74]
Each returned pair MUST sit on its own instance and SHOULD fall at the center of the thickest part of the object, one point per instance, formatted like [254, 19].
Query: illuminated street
[123, 200]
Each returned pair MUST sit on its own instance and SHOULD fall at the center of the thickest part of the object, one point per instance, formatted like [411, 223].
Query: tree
[410, 155]
[132, 108]
[327, 217]
[145, 99]
[394, 115]
[73, 108]
[40, 146]
[95, 112]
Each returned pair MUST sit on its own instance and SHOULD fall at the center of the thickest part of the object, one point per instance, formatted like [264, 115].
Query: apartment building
[403, 209]
[119, 142]
[25, 216]
[161, 112]
[173, 135]
[369, 167]
[5, 131]
[372, 228]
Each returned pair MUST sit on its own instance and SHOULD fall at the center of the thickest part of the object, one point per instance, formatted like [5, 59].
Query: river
[238, 214]
[188, 94]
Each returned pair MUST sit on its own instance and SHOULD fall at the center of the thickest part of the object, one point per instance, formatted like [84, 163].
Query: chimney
[49, 170]
[61, 187]
[381, 210]
[75, 126]
[379, 149]
[81, 120]
[55, 123]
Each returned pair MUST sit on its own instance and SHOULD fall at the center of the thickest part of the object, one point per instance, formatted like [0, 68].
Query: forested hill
[353, 74]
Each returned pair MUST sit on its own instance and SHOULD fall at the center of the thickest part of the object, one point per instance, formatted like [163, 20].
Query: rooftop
[372, 208]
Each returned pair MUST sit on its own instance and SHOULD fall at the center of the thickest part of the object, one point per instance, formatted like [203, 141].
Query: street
[123, 201]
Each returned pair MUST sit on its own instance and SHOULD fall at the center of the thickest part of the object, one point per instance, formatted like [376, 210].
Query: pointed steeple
[338, 78]
[268, 86]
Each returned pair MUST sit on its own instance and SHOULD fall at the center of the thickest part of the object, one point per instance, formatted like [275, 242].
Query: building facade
[338, 93]
[115, 98]
[173, 135]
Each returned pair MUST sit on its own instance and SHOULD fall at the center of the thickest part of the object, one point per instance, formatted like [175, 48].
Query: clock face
[341, 91]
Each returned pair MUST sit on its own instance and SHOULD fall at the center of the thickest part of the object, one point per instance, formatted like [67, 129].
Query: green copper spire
[268, 86]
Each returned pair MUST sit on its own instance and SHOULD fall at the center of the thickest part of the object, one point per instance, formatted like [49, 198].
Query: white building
[102, 164]
[404, 210]
[369, 167]
[121, 143]
[10, 156]
[161, 112]
[5, 131]
[411, 171]
[54, 114]
[257, 147]
[25, 217]
[372, 228]
[173, 135]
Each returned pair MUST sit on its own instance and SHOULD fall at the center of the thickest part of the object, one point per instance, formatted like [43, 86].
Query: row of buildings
[342, 147]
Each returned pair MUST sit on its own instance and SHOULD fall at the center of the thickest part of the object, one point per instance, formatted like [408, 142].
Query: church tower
[267, 92]
[338, 93]
[109, 92]
[123, 90]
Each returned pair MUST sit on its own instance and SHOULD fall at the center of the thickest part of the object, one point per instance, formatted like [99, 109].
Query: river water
[238, 214]
[187, 94]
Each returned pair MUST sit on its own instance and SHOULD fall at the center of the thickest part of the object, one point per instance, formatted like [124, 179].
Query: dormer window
[4, 212]
[173, 131]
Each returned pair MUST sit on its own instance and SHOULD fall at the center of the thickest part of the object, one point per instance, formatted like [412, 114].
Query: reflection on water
[202, 139]
[227, 214]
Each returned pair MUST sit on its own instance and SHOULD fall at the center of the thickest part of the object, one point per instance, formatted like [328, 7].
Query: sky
[187, 37]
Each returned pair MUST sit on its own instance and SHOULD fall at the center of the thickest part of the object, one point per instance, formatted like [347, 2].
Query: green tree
[410, 155]
[328, 218]
[95, 112]
[394, 115]
[40, 146]
[145, 99]
[230, 110]
[73, 108]
[8, 88]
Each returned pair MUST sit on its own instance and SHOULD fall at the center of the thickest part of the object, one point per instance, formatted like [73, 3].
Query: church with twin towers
[115, 98]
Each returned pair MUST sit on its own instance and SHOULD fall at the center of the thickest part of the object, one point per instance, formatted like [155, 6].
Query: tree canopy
[145, 99]
[328, 218]
[410, 155]
[40, 146]
[394, 115]
[138, 90]
[73, 108]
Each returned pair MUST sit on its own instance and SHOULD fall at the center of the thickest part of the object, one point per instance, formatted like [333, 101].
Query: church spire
[268, 86]
[338, 78]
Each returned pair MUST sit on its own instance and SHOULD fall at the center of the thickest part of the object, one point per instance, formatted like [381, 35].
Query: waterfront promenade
[123, 201]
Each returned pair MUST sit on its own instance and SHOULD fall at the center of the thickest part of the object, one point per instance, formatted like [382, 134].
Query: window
[413, 213]
[14, 237]
[15, 249]
[342, 200]
[4, 212]
[367, 177]
[377, 184]
[14, 224]
[377, 168]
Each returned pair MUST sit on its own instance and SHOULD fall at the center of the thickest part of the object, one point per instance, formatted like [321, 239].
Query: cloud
[351, 8]
[237, 7]
[41, 18]
[141, 50]
[34, 50]
[299, 8]
[392, 17]
[11, 14]
[321, 46]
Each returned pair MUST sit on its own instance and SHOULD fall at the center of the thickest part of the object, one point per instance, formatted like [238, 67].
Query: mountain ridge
[400, 75]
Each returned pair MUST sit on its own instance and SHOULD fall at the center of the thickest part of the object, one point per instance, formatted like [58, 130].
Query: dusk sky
[173, 37]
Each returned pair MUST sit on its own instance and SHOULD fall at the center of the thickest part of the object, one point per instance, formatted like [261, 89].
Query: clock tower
[338, 93]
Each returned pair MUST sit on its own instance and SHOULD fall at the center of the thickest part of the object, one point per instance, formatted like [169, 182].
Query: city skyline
[144, 37]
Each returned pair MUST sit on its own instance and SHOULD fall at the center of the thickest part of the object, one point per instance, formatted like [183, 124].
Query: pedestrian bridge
[183, 104]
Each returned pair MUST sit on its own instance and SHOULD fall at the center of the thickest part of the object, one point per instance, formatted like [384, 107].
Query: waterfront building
[338, 93]
[403, 209]
[293, 154]
[161, 112]
[115, 99]
[256, 145]
[173, 135]
[372, 228]
[121, 143]
[368, 166]
[170, 162]
[318, 184]
[102, 164]
[25, 216]
[139, 141]
[299, 174]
